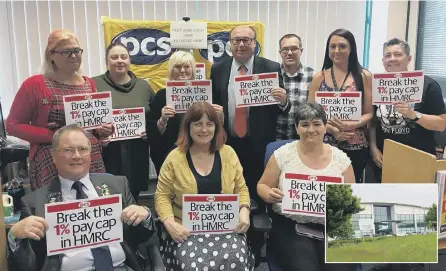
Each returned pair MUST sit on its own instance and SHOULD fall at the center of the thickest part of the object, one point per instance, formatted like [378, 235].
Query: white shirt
[288, 160]
[82, 260]
[232, 89]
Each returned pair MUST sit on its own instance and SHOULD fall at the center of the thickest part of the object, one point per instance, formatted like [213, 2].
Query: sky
[416, 194]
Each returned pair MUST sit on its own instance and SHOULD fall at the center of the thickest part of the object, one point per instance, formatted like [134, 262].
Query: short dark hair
[289, 36]
[65, 129]
[252, 28]
[310, 111]
[113, 45]
[194, 113]
[396, 41]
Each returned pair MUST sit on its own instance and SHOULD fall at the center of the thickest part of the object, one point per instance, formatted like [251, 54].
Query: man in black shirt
[412, 125]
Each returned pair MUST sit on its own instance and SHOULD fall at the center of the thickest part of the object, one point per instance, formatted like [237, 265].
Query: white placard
[305, 194]
[342, 105]
[90, 110]
[209, 213]
[182, 94]
[129, 123]
[200, 72]
[81, 224]
[388, 88]
[255, 90]
[188, 35]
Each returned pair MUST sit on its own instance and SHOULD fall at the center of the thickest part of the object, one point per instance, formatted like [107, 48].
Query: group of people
[211, 149]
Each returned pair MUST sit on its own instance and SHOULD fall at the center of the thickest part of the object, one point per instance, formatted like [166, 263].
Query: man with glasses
[71, 155]
[249, 129]
[296, 78]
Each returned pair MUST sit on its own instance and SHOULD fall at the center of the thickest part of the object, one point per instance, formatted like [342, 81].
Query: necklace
[335, 84]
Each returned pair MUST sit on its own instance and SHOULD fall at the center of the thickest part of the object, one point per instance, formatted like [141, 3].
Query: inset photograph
[381, 223]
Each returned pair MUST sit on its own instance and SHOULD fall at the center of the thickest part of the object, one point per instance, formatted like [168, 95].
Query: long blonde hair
[181, 58]
[54, 39]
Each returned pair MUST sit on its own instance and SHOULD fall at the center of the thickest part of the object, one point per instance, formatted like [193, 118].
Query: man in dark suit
[249, 130]
[71, 156]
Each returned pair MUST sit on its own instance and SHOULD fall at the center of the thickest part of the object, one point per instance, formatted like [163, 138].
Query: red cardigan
[28, 117]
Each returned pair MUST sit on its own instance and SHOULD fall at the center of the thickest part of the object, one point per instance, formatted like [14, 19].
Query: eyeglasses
[71, 151]
[246, 41]
[286, 50]
[69, 52]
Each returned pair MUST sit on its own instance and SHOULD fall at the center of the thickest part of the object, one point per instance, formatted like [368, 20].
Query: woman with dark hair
[308, 155]
[129, 157]
[202, 164]
[342, 72]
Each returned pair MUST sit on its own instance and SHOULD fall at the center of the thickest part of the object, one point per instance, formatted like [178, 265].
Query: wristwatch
[418, 116]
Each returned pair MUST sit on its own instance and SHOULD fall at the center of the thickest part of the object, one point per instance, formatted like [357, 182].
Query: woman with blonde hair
[163, 125]
[38, 110]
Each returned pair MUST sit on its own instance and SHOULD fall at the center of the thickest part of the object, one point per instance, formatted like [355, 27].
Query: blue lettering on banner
[146, 46]
[219, 47]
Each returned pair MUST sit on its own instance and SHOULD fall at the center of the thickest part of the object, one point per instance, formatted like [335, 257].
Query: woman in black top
[163, 122]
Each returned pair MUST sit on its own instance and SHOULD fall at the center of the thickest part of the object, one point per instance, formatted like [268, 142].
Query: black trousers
[252, 164]
[293, 252]
[359, 160]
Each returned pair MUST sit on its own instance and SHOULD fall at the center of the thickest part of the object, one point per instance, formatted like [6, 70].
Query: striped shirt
[296, 86]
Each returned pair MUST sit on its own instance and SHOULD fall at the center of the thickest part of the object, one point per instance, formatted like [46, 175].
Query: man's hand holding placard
[32, 227]
[405, 109]
[134, 214]
[280, 95]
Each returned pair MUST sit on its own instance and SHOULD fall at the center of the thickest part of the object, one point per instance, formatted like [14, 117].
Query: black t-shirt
[210, 184]
[392, 125]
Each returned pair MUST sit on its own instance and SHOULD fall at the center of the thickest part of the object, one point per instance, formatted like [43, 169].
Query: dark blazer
[161, 145]
[31, 255]
[262, 119]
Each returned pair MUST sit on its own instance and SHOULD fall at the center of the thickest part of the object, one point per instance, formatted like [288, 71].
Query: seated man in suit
[71, 156]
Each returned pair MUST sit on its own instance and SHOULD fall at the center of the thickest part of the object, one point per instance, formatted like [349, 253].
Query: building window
[406, 224]
[431, 41]
[382, 216]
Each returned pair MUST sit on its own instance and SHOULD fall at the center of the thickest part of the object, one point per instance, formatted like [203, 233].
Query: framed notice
[182, 94]
[80, 224]
[210, 213]
[188, 35]
[388, 88]
[255, 90]
[305, 194]
[129, 123]
[342, 105]
[89, 111]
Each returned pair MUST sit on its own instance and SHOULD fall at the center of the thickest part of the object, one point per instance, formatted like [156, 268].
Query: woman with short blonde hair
[38, 109]
[163, 125]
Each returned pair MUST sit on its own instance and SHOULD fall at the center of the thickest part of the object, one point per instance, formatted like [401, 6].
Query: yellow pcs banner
[149, 45]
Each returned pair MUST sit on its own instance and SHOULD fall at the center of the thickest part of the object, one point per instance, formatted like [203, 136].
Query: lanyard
[334, 80]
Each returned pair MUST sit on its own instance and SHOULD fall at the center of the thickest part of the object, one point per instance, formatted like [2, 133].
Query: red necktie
[240, 117]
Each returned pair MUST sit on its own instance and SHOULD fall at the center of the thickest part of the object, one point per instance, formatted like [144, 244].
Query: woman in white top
[310, 156]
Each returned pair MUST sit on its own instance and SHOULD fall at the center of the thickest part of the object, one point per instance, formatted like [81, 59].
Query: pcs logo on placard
[219, 47]
[146, 46]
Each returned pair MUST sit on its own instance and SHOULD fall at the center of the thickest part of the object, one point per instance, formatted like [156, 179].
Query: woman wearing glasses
[38, 110]
[164, 123]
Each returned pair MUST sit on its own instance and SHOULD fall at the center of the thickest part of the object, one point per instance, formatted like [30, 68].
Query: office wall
[25, 25]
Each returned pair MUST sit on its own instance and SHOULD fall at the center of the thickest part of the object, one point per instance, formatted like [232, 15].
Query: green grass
[412, 248]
